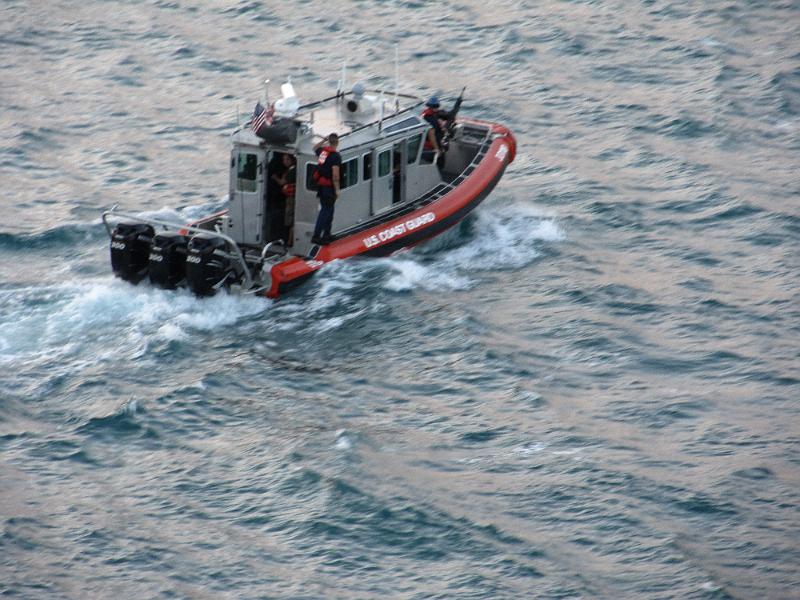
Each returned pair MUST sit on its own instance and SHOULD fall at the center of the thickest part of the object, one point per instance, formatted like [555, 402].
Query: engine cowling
[130, 250]
[208, 269]
[167, 264]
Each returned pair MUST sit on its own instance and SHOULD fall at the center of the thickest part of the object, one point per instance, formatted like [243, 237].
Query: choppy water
[588, 390]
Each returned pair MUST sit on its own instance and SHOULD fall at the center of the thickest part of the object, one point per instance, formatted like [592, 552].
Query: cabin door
[247, 195]
[382, 179]
[281, 177]
[399, 172]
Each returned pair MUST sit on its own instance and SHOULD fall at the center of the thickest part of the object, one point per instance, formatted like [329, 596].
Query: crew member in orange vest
[329, 163]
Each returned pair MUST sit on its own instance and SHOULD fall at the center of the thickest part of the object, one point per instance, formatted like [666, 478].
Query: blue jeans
[325, 217]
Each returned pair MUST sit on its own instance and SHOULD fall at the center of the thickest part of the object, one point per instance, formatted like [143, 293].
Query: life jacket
[432, 112]
[320, 179]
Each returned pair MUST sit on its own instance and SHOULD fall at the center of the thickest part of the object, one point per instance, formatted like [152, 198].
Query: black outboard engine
[207, 266]
[168, 259]
[130, 250]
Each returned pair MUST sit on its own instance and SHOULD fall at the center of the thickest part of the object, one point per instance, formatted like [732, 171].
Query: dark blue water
[589, 389]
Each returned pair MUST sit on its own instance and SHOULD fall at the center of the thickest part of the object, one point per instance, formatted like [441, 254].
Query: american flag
[262, 117]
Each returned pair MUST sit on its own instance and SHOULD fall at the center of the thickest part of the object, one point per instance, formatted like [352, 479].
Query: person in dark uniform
[287, 182]
[276, 199]
[437, 119]
[289, 178]
[276, 168]
[329, 163]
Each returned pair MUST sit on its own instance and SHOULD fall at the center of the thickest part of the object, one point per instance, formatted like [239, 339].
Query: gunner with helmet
[434, 141]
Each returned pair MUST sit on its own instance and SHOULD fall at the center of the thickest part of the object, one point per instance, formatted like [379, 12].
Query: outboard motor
[130, 250]
[207, 267]
[168, 259]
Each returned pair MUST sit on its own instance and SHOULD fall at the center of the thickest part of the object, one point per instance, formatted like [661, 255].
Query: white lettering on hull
[398, 229]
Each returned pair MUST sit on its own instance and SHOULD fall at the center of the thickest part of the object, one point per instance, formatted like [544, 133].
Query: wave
[500, 239]
[67, 234]
[104, 317]
[73, 233]
[124, 421]
[348, 293]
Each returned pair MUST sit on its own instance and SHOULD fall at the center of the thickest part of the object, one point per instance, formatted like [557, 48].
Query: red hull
[410, 228]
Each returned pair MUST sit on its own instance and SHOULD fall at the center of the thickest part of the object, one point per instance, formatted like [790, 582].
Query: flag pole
[342, 81]
[396, 78]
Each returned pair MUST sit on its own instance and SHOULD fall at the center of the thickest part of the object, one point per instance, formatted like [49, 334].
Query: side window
[310, 183]
[413, 148]
[247, 167]
[384, 163]
[349, 173]
[367, 167]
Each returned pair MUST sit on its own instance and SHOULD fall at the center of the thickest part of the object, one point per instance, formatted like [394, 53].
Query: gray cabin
[383, 165]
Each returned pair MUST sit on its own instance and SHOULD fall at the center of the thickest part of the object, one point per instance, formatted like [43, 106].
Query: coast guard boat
[394, 194]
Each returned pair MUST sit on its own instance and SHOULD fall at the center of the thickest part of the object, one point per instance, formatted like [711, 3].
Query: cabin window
[246, 170]
[384, 163]
[311, 185]
[367, 167]
[413, 148]
[349, 173]
[404, 124]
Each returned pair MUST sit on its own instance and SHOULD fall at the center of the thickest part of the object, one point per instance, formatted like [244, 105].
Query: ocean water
[588, 389]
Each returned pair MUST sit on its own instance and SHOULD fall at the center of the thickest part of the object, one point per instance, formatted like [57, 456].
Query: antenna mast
[380, 119]
[343, 80]
[396, 78]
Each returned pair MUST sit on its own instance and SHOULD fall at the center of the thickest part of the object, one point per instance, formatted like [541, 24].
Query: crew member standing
[288, 187]
[276, 199]
[327, 178]
[434, 140]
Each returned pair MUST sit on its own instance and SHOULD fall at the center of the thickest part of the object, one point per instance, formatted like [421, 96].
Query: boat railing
[417, 102]
[317, 103]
